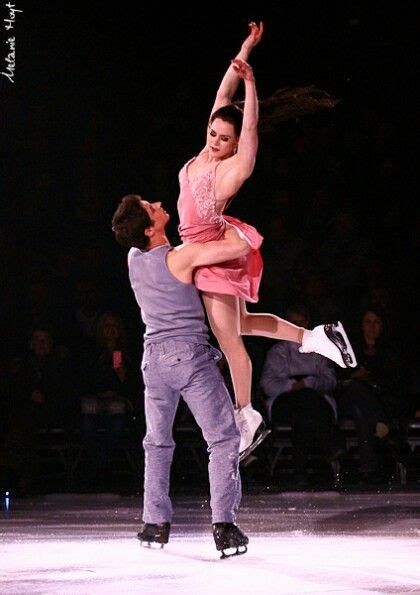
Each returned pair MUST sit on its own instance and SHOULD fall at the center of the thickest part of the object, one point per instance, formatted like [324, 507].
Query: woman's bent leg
[329, 340]
[268, 325]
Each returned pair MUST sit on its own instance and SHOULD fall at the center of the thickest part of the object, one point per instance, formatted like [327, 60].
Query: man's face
[158, 216]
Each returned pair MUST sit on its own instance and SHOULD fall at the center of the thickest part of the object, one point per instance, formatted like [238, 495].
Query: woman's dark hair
[381, 314]
[229, 113]
[130, 221]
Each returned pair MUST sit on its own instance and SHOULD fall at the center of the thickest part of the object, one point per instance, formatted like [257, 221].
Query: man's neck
[158, 241]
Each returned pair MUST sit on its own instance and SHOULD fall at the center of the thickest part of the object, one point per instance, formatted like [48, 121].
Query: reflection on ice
[314, 543]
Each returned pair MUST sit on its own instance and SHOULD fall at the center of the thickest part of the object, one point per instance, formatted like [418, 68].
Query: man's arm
[185, 258]
[196, 255]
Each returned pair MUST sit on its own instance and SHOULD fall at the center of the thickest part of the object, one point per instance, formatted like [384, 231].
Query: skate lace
[241, 422]
[243, 428]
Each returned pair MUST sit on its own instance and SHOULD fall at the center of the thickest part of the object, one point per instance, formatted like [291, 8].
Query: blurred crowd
[329, 194]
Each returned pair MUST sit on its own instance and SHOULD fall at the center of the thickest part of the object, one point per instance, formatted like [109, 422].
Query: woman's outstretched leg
[329, 340]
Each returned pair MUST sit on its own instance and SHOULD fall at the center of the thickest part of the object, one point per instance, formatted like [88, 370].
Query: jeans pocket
[178, 357]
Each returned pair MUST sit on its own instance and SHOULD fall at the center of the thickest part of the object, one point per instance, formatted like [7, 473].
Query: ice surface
[299, 543]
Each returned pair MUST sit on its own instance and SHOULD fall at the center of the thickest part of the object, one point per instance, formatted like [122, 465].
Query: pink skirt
[240, 277]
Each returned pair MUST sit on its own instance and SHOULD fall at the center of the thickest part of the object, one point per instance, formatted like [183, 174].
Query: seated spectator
[376, 392]
[379, 292]
[296, 386]
[39, 393]
[110, 386]
[86, 314]
[36, 308]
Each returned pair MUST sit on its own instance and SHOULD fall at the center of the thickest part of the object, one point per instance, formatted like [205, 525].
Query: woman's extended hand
[254, 36]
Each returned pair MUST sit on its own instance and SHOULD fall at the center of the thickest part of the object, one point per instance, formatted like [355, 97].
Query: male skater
[178, 360]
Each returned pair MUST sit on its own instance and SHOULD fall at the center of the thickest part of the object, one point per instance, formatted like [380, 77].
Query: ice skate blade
[238, 552]
[261, 436]
[337, 335]
[153, 545]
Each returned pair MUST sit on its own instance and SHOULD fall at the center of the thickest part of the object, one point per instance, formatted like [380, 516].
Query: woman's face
[221, 139]
[372, 326]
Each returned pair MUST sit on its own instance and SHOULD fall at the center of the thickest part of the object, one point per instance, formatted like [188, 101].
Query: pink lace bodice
[198, 216]
[201, 222]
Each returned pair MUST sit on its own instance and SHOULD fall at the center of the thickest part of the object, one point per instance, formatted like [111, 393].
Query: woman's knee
[245, 321]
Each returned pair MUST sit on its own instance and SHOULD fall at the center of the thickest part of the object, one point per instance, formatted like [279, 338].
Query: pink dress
[200, 222]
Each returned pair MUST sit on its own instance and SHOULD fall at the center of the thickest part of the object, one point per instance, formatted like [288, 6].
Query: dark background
[113, 100]
[108, 101]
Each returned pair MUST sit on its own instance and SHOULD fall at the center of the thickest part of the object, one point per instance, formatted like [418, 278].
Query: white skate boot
[331, 341]
[252, 428]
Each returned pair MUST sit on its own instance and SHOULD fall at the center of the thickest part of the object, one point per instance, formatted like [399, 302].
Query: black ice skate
[228, 536]
[154, 533]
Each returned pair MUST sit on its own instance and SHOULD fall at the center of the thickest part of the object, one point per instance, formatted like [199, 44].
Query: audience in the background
[109, 388]
[299, 390]
[376, 393]
[86, 313]
[319, 297]
[325, 190]
[38, 307]
[38, 390]
[281, 251]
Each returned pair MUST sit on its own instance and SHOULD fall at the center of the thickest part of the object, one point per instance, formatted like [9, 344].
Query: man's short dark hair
[130, 221]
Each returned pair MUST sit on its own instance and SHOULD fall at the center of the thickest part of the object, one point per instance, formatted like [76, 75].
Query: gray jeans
[170, 369]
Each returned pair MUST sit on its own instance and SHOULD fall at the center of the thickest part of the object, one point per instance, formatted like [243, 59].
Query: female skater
[208, 183]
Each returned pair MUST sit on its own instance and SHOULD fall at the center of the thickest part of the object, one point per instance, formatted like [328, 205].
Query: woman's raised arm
[230, 81]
